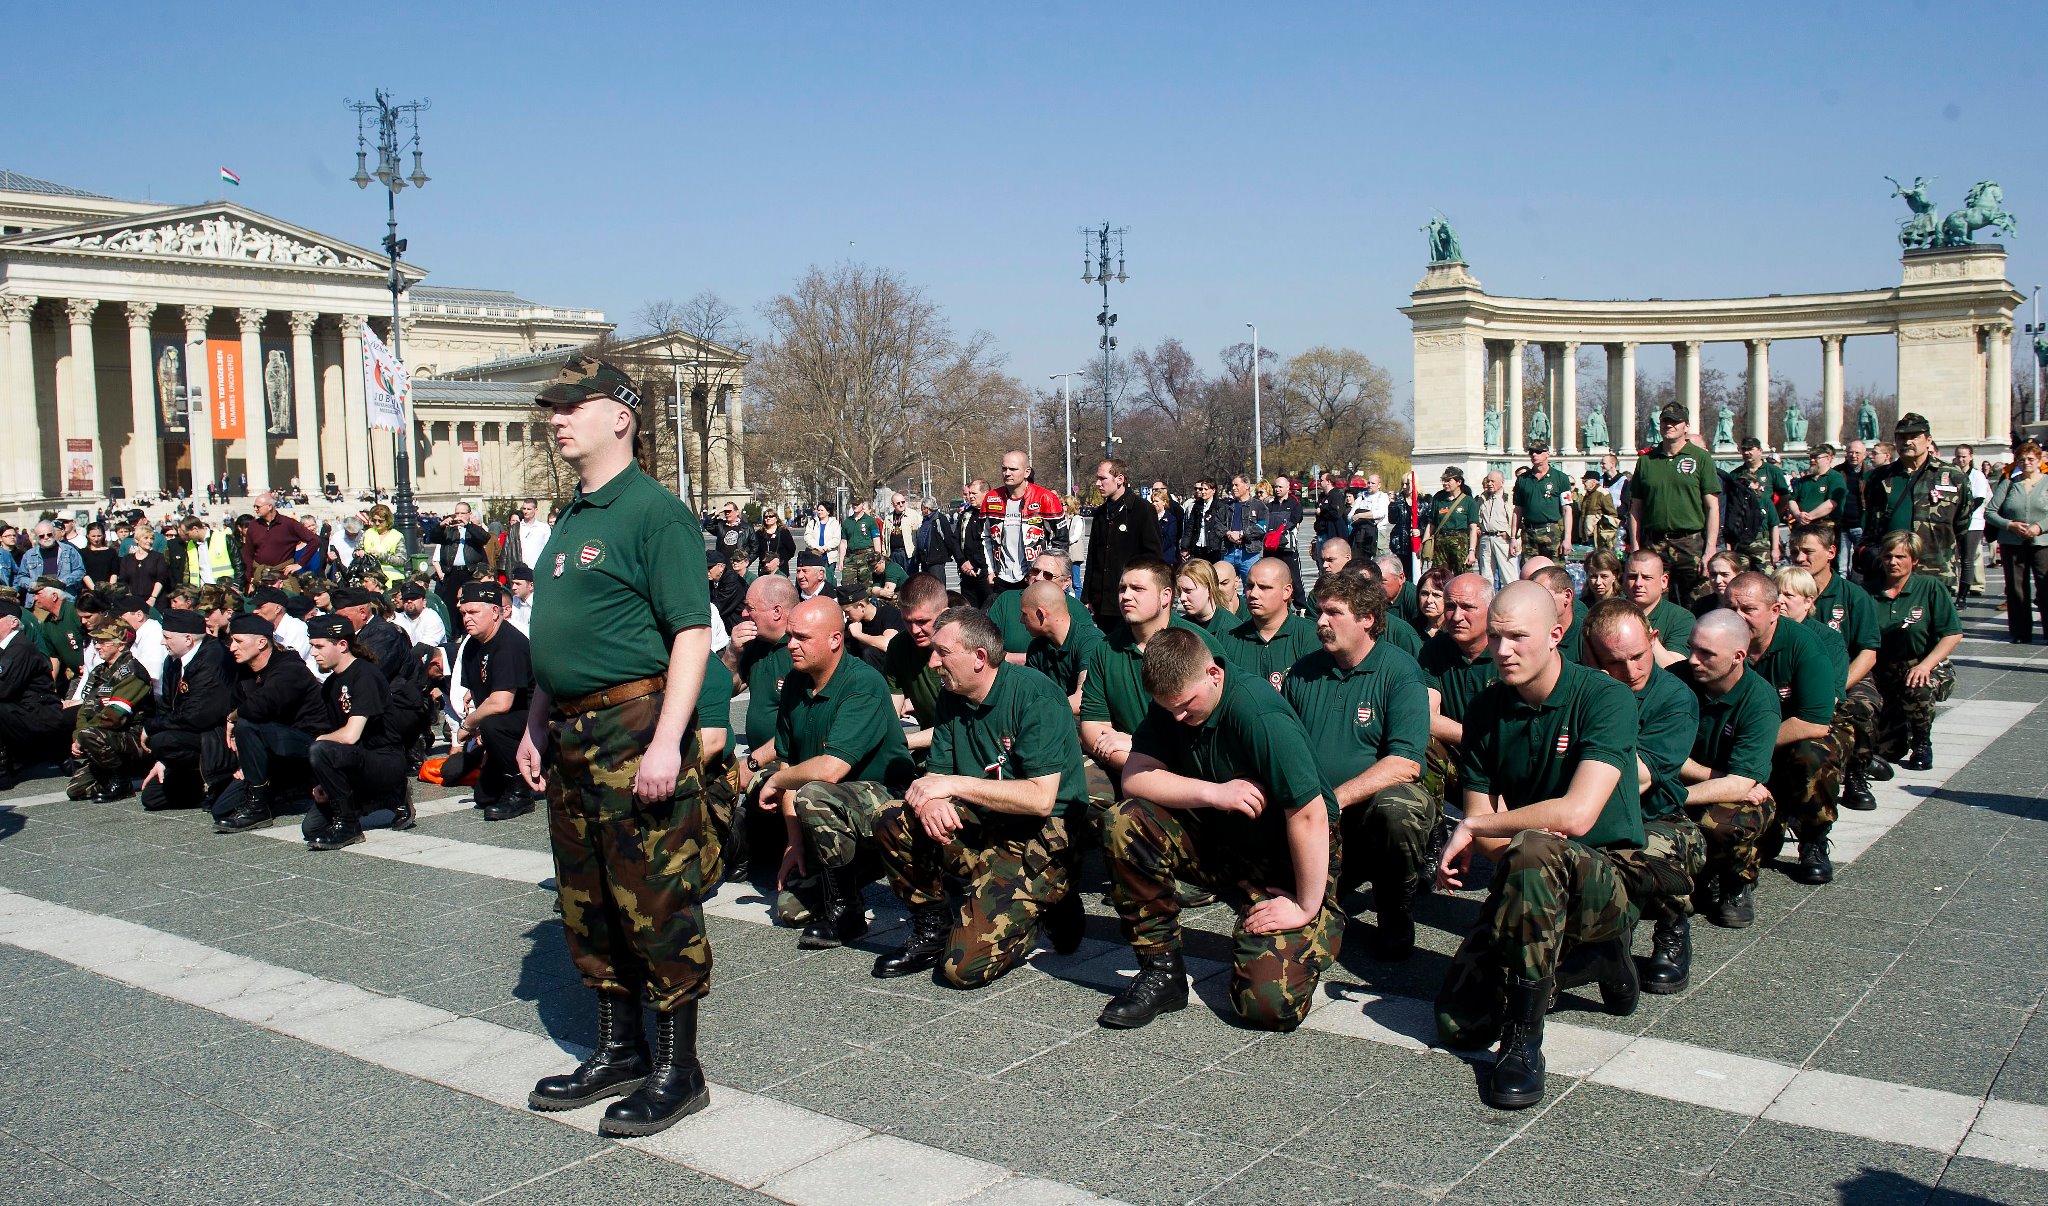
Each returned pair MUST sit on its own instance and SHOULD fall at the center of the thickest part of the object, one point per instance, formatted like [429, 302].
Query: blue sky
[1272, 162]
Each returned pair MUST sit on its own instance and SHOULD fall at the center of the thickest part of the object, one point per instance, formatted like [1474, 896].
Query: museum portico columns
[199, 423]
[1831, 390]
[305, 403]
[25, 463]
[142, 460]
[83, 406]
[354, 406]
[1760, 391]
[1511, 432]
[1686, 374]
[1566, 434]
[255, 411]
[1997, 382]
[1621, 385]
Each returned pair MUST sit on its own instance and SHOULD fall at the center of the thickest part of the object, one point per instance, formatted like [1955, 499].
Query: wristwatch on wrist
[753, 765]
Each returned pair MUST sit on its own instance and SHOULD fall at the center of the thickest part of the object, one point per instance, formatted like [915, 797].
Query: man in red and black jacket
[1020, 519]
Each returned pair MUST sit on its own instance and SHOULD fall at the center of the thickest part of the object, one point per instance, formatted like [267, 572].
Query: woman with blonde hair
[384, 544]
[1199, 597]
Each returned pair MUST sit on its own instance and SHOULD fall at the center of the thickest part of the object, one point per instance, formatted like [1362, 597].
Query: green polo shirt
[61, 636]
[1541, 500]
[1453, 517]
[852, 719]
[621, 575]
[763, 665]
[1252, 734]
[1811, 491]
[1912, 624]
[1461, 686]
[1667, 720]
[1440, 655]
[714, 698]
[1022, 729]
[1063, 663]
[1402, 635]
[1831, 643]
[1572, 645]
[1798, 670]
[1219, 623]
[1008, 613]
[1114, 692]
[1377, 709]
[908, 668]
[1673, 488]
[1846, 607]
[861, 533]
[1247, 649]
[1674, 626]
[1408, 606]
[1738, 731]
[1524, 753]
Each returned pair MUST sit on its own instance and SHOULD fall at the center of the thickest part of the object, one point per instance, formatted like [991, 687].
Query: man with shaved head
[1727, 774]
[1552, 796]
[1400, 590]
[1272, 638]
[1558, 581]
[1806, 771]
[1007, 608]
[1647, 584]
[1059, 646]
[843, 758]
[1334, 556]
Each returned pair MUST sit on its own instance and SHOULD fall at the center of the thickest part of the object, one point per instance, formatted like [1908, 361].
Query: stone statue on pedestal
[1650, 425]
[1596, 428]
[1866, 423]
[1724, 428]
[1984, 206]
[1795, 426]
[1491, 421]
[1923, 228]
[1443, 243]
[1539, 424]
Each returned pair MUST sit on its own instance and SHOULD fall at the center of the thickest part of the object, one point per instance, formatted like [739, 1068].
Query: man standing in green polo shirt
[1674, 504]
[1819, 493]
[1366, 710]
[1272, 638]
[620, 639]
[1922, 494]
[1113, 698]
[1646, 582]
[1001, 784]
[843, 758]
[1060, 644]
[1767, 482]
[1806, 770]
[1667, 718]
[1453, 516]
[1728, 774]
[1221, 791]
[1543, 506]
[1551, 796]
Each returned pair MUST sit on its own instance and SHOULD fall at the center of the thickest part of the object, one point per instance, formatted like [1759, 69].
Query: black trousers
[262, 752]
[2026, 589]
[499, 736]
[183, 784]
[452, 578]
[352, 777]
[31, 736]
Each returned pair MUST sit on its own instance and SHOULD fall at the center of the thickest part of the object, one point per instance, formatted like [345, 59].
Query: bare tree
[1333, 406]
[695, 343]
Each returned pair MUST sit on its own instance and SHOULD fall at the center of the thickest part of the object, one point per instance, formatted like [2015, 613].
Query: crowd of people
[1605, 703]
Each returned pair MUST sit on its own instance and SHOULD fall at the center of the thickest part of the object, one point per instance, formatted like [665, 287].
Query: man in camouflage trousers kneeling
[107, 735]
[1002, 780]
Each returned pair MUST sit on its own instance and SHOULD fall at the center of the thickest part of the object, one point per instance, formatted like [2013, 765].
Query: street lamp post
[1066, 381]
[2040, 334]
[1258, 429]
[393, 140]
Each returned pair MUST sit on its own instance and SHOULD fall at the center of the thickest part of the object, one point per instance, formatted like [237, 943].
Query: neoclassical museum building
[149, 347]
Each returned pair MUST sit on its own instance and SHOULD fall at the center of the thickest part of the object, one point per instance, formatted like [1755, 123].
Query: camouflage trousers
[1756, 554]
[1685, 556]
[112, 752]
[1450, 549]
[837, 818]
[1015, 868]
[1660, 875]
[1387, 835]
[1806, 785]
[1544, 540]
[1440, 771]
[1855, 724]
[632, 875]
[1730, 833]
[858, 568]
[1272, 976]
[1547, 893]
[1908, 708]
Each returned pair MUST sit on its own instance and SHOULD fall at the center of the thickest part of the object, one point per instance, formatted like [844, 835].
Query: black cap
[481, 590]
[191, 623]
[330, 628]
[121, 605]
[812, 558]
[1673, 413]
[522, 573]
[348, 596]
[412, 590]
[250, 624]
[9, 607]
[1590, 475]
[269, 594]
[1911, 423]
[300, 606]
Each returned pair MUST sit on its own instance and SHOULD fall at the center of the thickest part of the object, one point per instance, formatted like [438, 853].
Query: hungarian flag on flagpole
[230, 177]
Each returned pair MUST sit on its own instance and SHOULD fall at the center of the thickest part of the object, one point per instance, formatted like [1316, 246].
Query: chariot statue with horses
[1983, 208]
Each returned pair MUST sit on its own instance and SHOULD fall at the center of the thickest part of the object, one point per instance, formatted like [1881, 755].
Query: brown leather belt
[610, 697]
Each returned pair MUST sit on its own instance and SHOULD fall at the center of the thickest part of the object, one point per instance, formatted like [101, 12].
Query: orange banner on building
[224, 388]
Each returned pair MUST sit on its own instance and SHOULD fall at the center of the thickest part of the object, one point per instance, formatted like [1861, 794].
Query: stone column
[1760, 390]
[1997, 383]
[354, 406]
[85, 398]
[142, 467]
[255, 410]
[1621, 396]
[305, 401]
[1831, 417]
[24, 464]
[1496, 381]
[1567, 432]
[1687, 376]
[1511, 430]
[199, 423]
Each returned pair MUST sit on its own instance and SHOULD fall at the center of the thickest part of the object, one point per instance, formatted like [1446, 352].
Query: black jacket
[965, 532]
[778, 545]
[1203, 517]
[934, 546]
[197, 698]
[26, 691]
[471, 537]
[283, 692]
[729, 596]
[1121, 531]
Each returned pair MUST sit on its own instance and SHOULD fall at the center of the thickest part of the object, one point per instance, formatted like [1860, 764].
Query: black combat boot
[841, 915]
[1161, 986]
[674, 1088]
[931, 928]
[1856, 792]
[515, 803]
[1669, 968]
[1607, 964]
[1394, 903]
[1876, 769]
[1738, 903]
[255, 812]
[1066, 923]
[1815, 867]
[1516, 1082]
[346, 829]
[108, 790]
[403, 815]
[1920, 756]
[616, 1068]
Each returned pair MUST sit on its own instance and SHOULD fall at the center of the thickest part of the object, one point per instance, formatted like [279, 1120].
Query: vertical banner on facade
[224, 383]
[472, 464]
[387, 387]
[81, 473]
[280, 417]
[173, 397]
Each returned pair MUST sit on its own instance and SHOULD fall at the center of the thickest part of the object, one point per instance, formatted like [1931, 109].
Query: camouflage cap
[1911, 423]
[1539, 445]
[110, 630]
[1674, 413]
[585, 377]
[1822, 450]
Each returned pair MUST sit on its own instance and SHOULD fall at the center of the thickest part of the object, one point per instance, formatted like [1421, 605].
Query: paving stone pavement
[235, 1019]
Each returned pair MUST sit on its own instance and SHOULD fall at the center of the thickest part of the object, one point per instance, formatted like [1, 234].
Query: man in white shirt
[148, 646]
[1970, 557]
[526, 536]
[1369, 508]
[520, 613]
[421, 623]
[286, 629]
